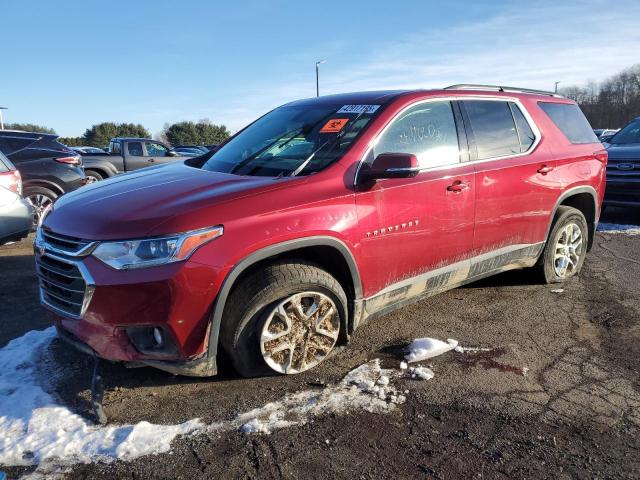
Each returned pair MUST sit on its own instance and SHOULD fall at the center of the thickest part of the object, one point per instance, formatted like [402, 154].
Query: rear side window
[526, 135]
[115, 147]
[493, 128]
[571, 121]
[9, 145]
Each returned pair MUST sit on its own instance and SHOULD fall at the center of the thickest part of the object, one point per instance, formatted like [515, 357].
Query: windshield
[629, 134]
[293, 140]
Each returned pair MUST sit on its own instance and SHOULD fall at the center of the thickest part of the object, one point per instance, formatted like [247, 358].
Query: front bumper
[176, 298]
[622, 192]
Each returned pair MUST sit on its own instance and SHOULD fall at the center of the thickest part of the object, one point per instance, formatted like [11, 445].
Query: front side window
[571, 121]
[155, 149]
[427, 130]
[135, 149]
[493, 128]
[629, 134]
[293, 140]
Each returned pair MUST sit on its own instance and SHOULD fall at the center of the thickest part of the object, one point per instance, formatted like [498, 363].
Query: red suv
[319, 215]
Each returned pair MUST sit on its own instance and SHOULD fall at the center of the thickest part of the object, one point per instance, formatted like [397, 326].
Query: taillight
[11, 181]
[75, 160]
[601, 155]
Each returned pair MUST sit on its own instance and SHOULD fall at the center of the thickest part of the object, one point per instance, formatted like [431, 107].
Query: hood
[131, 205]
[629, 151]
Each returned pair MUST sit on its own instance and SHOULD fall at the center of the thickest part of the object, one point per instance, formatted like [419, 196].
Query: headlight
[154, 251]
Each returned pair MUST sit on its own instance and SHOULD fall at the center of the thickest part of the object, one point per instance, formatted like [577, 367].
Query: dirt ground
[575, 413]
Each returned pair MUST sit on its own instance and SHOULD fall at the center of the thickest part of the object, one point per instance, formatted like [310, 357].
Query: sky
[70, 64]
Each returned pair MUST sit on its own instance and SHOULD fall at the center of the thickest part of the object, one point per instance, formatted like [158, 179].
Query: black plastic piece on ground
[97, 392]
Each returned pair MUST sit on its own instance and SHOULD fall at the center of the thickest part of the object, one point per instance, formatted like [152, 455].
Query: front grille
[62, 285]
[623, 168]
[64, 243]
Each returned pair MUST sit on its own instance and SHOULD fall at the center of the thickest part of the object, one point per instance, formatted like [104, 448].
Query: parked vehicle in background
[202, 148]
[189, 151]
[623, 170]
[83, 150]
[15, 212]
[126, 155]
[320, 215]
[47, 167]
[604, 134]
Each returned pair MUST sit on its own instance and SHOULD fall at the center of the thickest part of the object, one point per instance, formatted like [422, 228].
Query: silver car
[16, 214]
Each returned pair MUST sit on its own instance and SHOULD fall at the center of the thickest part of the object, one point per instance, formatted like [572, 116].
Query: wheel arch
[583, 198]
[328, 252]
[42, 183]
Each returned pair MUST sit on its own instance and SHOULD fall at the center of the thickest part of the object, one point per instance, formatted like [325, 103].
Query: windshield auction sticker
[358, 108]
[334, 125]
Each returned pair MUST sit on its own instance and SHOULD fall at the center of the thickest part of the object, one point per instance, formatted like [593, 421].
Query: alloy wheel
[568, 250]
[300, 332]
[39, 203]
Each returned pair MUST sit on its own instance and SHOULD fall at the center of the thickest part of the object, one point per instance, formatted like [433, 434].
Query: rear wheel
[285, 318]
[93, 176]
[40, 198]
[566, 246]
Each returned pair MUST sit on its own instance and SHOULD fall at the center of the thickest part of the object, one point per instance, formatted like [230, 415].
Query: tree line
[611, 104]
[203, 132]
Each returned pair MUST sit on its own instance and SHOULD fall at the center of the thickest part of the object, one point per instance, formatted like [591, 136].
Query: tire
[93, 176]
[39, 198]
[255, 312]
[563, 234]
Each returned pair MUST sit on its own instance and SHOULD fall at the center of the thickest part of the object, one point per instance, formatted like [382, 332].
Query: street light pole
[1, 121]
[556, 89]
[318, 76]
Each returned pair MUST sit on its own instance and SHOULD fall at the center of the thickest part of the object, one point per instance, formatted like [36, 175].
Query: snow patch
[422, 373]
[34, 429]
[557, 290]
[424, 348]
[617, 228]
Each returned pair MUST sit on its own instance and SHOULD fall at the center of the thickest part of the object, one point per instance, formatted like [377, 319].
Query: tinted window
[571, 121]
[527, 137]
[9, 145]
[629, 134]
[155, 149]
[427, 130]
[493, 128]
[135, 149]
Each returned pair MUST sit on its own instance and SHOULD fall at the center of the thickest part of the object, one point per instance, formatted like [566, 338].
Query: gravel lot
[574, 414]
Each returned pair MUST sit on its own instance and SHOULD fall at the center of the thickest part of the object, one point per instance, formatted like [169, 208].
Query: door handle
[544, 169]
[458, 186]
[151, 160]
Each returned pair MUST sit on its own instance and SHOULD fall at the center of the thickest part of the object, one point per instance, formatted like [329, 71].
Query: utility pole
[1, 121]
[318, 76]
[556, 89]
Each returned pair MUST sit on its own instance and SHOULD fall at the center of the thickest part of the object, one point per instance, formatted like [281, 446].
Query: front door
[416, 225]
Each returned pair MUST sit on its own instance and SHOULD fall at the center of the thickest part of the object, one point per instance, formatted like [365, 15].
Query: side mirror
[392, 165]
[172, 153]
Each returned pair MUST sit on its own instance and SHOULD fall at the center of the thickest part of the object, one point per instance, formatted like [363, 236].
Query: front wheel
[285, 318]
[566, 247]
[93, 176]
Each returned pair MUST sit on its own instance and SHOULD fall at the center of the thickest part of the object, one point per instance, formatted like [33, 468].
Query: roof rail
[498, 88]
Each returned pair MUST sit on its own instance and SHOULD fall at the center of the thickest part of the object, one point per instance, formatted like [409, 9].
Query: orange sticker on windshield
[334, 125]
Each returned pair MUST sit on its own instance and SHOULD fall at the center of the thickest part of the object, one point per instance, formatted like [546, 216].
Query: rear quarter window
[571, 121]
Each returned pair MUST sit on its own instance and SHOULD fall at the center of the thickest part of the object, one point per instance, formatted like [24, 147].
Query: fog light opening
[158, 338]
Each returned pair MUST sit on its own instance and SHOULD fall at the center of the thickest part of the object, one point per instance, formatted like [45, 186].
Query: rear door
[515, 186]
[411, 226]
